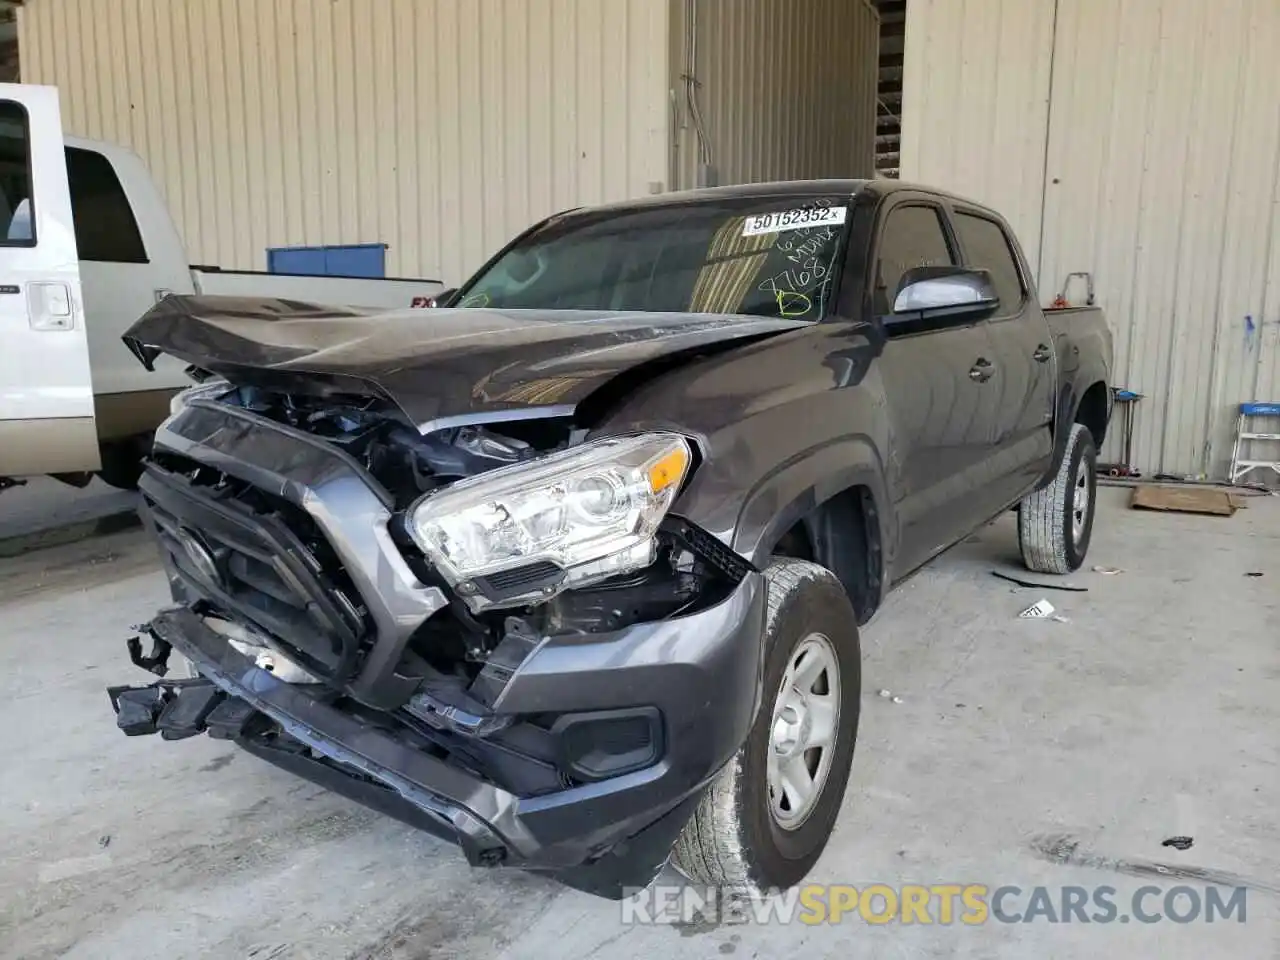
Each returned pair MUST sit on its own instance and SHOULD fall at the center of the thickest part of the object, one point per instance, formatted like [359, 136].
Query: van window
[17, 219]
[105, 226]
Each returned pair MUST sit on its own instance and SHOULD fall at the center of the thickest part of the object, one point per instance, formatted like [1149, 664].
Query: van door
[46, 393]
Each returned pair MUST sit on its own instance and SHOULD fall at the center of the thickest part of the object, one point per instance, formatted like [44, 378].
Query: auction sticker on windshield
[797, 219]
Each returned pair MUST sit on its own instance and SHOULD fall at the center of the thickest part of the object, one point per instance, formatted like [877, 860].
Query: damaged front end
[500, 631]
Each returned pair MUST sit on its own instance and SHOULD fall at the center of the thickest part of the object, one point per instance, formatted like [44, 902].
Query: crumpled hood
[432, 363]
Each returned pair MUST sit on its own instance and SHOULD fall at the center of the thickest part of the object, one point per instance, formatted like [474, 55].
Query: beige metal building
[442, 127]
[1139, 141]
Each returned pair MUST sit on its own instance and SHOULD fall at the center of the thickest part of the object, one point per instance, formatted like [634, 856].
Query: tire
[735, 839]
[1054, 525]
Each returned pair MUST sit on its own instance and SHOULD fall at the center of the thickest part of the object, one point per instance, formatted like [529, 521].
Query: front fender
[796, 487]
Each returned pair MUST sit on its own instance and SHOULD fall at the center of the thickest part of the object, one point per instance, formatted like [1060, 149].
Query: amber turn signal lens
[668, 469]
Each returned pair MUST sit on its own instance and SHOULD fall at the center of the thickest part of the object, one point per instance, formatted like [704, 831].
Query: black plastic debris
[157, 661]
[1254, 573]
[137, 708]
[230, 719]
[1178, 843]
[1066, 588]
[184, 716]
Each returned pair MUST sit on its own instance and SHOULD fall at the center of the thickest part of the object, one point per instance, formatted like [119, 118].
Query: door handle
[981, 370]
[1042, 354]
[49, 306]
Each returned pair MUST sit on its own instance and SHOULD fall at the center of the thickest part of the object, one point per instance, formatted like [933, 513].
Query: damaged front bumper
[692, 681]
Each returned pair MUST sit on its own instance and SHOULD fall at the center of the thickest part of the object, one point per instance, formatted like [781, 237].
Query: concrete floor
[1153, 712]
[47, 511]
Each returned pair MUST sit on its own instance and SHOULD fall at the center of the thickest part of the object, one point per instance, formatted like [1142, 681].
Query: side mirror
[945, 292]
[444, 298]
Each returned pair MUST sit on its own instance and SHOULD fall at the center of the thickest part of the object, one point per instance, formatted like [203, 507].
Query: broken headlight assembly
[201, 391]
[562, 521]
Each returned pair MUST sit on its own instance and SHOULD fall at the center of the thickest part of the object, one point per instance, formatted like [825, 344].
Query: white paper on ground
[1040, 610]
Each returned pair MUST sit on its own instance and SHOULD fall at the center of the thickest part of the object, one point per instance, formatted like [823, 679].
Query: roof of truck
[782, 188]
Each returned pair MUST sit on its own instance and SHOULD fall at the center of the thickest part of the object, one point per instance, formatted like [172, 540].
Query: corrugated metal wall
[975, 102]
[787, 90]
[439, 127]
[1164, 163]
[1159, 172]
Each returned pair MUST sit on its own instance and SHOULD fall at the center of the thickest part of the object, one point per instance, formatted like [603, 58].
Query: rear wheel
[765, 818]
[1056, 522]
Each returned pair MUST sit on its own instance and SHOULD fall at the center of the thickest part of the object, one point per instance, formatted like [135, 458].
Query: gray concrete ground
[45, 511]
[1023, 752]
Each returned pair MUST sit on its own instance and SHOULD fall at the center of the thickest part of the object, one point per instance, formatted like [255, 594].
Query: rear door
[46, 393]
[937, 378]
[1025, 375]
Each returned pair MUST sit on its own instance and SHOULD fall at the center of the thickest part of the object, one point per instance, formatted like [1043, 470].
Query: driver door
[46, 392]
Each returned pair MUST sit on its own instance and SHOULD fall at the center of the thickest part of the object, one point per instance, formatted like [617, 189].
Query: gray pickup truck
[570, 571]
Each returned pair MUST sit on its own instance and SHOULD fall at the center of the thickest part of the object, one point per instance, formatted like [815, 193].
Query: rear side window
[105, 226]
[987, 247]
[17, 219]
[912, 237]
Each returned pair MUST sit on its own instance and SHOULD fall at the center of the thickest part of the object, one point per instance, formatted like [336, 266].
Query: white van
[86, 247]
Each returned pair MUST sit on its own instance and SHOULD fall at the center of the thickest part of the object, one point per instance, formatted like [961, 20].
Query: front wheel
[1056, 522]
[766, 817]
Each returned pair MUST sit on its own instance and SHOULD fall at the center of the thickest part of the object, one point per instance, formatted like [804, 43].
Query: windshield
[769, 257]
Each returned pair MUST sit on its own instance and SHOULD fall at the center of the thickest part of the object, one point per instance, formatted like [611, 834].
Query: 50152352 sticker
[799, 218]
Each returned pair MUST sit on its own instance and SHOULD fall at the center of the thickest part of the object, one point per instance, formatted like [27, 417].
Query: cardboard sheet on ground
[1217, 503]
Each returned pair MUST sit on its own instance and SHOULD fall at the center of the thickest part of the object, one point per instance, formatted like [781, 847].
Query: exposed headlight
[178, 402]
[591, 511]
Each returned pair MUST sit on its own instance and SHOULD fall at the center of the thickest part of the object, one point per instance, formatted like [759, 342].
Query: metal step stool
[1247, 412]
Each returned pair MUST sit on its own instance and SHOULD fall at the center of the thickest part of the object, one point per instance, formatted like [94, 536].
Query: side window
[987, 247]
[17, 218]
[105, 227]
[913, 236]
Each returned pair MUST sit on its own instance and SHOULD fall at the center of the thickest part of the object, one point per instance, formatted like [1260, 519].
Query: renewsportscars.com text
[970, 904]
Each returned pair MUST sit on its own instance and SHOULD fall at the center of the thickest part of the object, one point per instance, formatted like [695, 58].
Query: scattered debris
[1107, 571]
[897, 699]
[1254, 573]
[1178, 843]
[1066, 587]
[104, 840]
[1216, 503]
[886, 694]
[1060, 618]
[1040, 610]
[1066, 850]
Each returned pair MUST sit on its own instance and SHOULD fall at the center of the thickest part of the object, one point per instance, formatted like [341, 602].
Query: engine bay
[406, 462]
